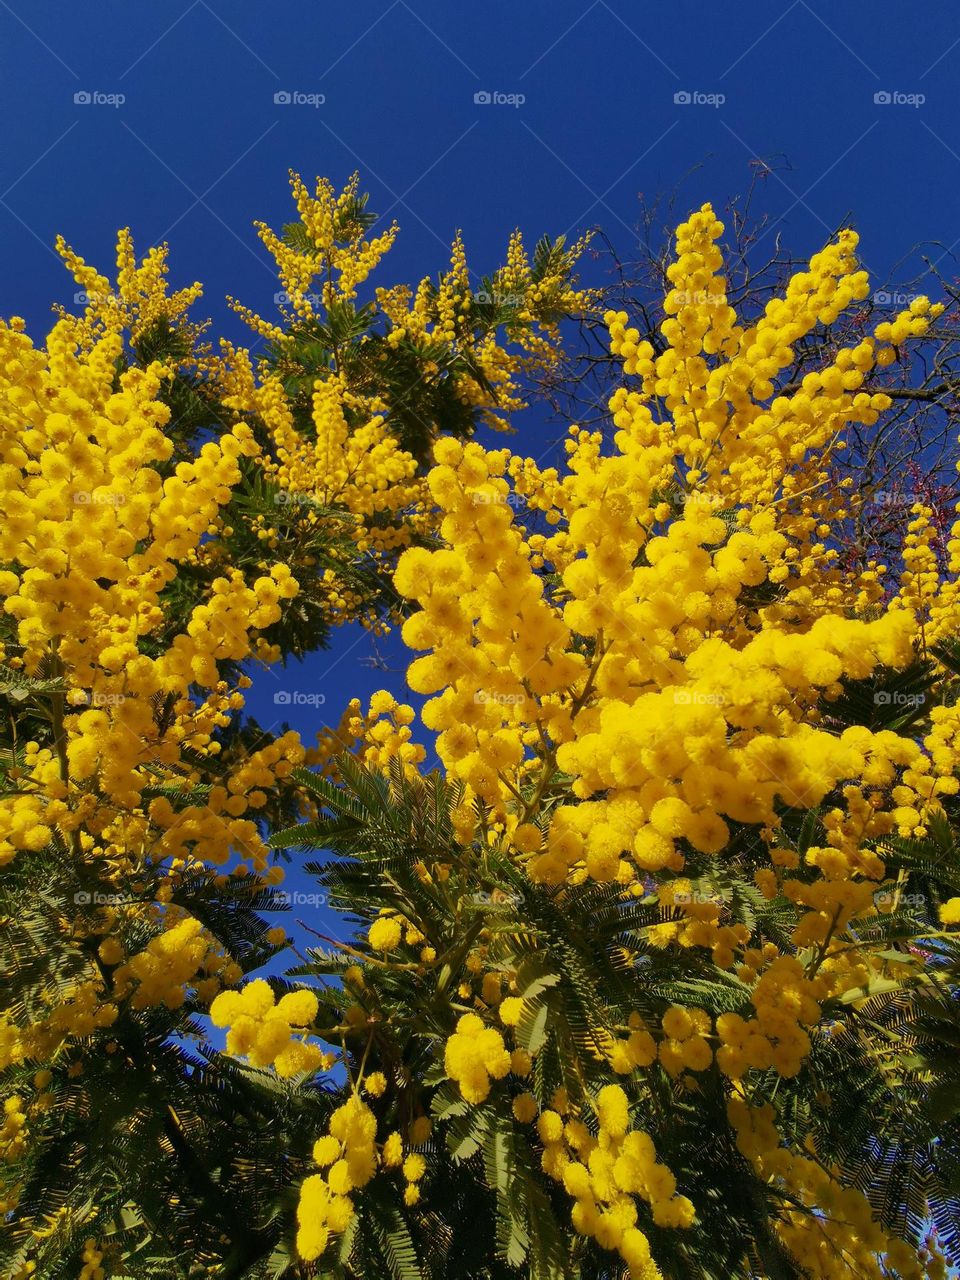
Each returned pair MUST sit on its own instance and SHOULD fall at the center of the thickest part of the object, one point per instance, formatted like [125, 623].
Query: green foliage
[878, 1092]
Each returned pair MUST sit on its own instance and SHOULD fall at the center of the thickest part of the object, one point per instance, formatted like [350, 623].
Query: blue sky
[199, 147]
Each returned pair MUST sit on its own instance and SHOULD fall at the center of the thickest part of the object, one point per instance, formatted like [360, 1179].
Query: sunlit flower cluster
[265, 1032]
[95, 538]
[639, 668]
[631, 660]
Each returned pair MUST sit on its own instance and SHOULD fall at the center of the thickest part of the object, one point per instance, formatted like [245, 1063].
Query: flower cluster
[93, 1255]
[138, 303]
[631, 665]
[673, 703]
[99, 532]
[841, 1224]
[474, 1055]
[348, 1152]
[647, 878]
[264, 1032]
[349, 464]
[604, 1173]
[182, 957]
[13, 1131]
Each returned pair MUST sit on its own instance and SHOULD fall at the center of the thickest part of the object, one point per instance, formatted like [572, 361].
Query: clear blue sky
[199, 148]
